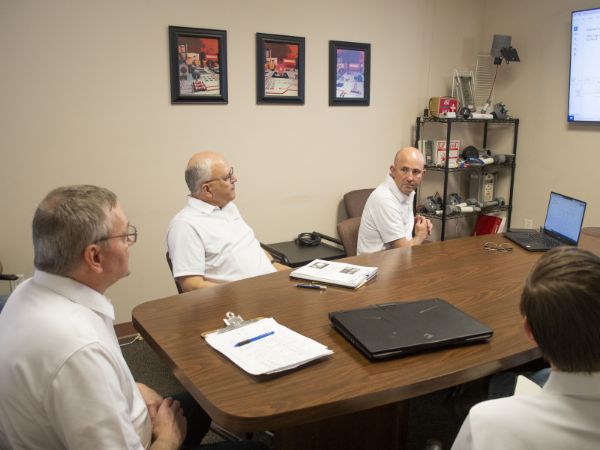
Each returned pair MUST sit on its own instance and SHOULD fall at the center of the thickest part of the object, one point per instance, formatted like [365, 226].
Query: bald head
[200, 169]
[408, 169]
[409, 153]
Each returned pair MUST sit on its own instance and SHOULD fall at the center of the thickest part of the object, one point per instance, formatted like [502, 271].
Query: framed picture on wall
[349, 73]
[198, 60]
[279, 69]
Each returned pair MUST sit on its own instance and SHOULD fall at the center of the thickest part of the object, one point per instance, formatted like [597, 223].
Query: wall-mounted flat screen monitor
[584, 80]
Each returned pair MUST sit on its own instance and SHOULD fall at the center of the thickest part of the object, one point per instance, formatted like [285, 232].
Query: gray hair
[68, 220]
[198, 173]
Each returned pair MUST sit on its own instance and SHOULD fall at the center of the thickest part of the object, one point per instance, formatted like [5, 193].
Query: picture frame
[279, 69]
[349, 73]
[198, 60]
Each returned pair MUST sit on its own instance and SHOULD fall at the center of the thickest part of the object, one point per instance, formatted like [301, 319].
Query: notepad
[268, 347]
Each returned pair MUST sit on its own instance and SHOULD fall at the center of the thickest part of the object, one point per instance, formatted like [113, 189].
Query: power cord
[138, 337]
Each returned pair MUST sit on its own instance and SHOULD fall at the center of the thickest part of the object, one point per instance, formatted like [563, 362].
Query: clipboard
[232, 321]
[261, 346]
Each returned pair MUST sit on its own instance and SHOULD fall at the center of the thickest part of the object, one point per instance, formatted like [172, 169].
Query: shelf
[446, 120]
[473, 167]
[421, 123]
[462, 215]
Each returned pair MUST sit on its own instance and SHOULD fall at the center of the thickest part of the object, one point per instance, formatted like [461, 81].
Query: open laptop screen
[564, 216]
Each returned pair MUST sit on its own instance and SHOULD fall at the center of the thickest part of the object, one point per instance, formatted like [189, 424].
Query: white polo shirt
[214, 243]
[565, 415]
[388, 216]
[63, 380]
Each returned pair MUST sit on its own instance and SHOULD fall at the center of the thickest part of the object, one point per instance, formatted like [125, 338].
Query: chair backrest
[591, 231]
[354, 201]
[179, 290]
[348, 231]
[12, 280]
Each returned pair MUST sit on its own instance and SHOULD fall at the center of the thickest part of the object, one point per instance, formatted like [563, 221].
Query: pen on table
[255, 338]
[312, 286]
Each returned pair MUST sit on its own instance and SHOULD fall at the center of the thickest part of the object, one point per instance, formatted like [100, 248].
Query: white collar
[202, 206]
[573, 383]
[76, 292]
[393, 187]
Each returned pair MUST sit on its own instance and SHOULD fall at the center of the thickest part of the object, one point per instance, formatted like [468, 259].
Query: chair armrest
[8, 277]
[280, 257]
[329, 238]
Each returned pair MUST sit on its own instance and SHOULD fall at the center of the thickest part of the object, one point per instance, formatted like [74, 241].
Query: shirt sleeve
[87, 405]
[186, 250]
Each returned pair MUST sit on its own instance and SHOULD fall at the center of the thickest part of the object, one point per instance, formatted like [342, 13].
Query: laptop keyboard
[540, 239]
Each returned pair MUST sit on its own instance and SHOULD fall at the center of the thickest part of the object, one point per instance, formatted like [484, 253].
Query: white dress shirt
[214, 243]
[387, 217]
[63, 381]
[565, 415]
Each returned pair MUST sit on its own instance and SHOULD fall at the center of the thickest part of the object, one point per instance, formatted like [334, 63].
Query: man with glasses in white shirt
[388, 219]
[208, 241]
[64, 382]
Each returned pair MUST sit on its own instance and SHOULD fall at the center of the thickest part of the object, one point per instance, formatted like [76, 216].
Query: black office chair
[179, 289]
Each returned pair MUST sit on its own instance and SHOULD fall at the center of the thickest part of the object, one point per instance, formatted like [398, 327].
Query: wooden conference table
[345, 401]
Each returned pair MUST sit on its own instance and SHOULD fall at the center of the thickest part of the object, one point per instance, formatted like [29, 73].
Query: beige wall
[85, 99]
[552, 155]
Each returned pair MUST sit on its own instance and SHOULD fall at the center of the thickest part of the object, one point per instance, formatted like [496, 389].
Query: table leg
[382, 428]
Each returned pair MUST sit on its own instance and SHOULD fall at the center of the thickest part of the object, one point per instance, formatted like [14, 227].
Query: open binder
[336, 273]
[262, 346]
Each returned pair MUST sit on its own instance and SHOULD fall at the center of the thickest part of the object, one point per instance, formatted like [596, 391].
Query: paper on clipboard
[268, 347]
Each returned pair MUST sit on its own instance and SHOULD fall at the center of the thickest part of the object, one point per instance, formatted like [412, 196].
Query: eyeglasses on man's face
[130, 237]
[227, 178]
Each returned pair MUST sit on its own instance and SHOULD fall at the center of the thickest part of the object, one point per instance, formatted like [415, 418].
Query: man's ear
[392, 171]
[205, 189]
[527, 329]
[92, 256]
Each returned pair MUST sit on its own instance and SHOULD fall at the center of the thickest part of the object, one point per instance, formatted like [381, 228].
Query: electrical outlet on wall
[528, 223]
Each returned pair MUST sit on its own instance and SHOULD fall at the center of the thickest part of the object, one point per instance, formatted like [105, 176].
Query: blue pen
[252, 339]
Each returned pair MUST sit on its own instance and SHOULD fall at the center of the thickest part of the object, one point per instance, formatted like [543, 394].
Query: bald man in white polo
[388, 219]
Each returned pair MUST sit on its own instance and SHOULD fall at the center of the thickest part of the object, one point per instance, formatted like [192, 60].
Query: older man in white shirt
[63, 381]
[208, 241]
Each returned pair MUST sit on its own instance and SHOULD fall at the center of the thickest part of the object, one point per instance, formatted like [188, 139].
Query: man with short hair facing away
[208, 241]
[388, 219]
[560, 305]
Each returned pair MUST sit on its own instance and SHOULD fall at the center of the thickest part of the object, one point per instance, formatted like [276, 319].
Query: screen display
[584, 80]
[565, 216]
